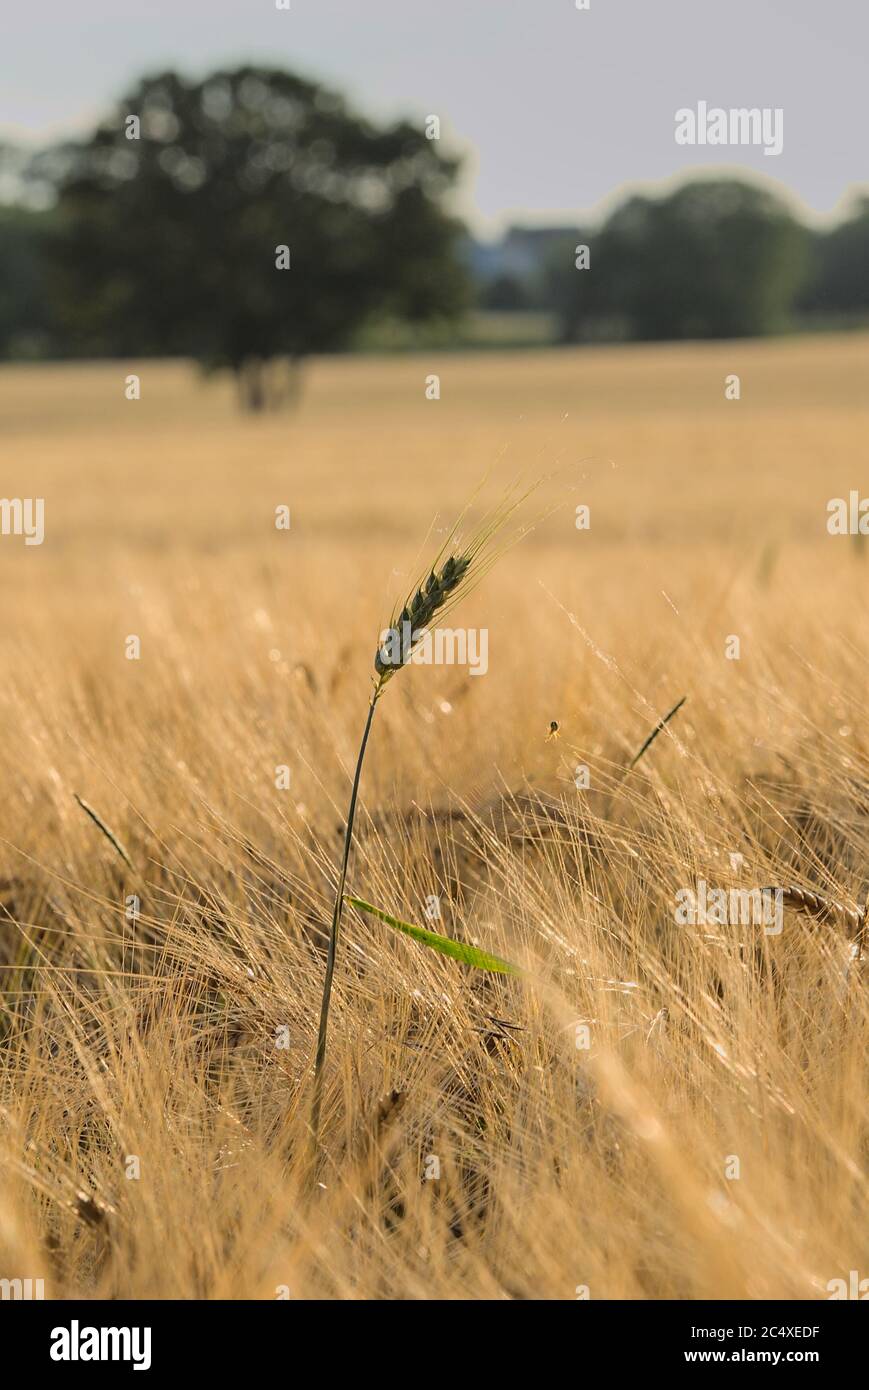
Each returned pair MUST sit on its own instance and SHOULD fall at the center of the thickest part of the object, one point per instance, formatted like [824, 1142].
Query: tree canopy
[713, 259]
[839, 281]
[172, 219]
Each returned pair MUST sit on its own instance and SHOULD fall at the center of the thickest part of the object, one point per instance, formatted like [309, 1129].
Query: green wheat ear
[444, 583]
[418, 614]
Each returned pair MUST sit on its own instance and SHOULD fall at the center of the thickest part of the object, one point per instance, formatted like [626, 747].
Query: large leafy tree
[713, 259]
[839, 283]
[168, 242]
[27, 321]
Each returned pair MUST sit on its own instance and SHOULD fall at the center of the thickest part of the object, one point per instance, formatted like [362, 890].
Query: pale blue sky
[558, 108]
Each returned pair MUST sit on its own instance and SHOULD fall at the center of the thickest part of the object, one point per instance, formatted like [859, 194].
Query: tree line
[253, 216]
[720, 258]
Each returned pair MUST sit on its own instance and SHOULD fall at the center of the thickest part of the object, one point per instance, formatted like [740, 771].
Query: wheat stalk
[107, 831]
[456, 569]
[659, 728]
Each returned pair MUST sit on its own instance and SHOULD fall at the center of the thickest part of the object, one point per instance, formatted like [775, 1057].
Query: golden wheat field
[649, 1109]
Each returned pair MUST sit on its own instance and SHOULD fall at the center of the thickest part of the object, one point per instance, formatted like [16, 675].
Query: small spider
[553, 731]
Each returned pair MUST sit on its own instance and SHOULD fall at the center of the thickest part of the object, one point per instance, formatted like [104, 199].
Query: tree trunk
[284, 383]
[251, 384]
[268, 383]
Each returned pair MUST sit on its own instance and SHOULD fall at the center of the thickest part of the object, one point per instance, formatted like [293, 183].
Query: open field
[184, 1040]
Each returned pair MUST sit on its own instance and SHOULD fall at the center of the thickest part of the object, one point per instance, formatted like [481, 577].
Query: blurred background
[431, 176]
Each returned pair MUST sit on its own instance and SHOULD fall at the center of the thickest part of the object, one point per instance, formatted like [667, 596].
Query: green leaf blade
[457, 950]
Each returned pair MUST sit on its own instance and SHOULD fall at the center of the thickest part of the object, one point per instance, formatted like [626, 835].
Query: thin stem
[336, 921]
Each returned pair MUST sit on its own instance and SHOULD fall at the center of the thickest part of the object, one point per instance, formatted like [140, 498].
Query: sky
[556, 109]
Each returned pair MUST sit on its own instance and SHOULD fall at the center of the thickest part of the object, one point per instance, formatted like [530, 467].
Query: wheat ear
[818, 906]
[445, 582]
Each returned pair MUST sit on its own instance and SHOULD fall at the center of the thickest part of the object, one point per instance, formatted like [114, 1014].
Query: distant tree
[838, 283]
[714, 259]
[504, 293]
[169, 242]
[28, 327]
[581, 299]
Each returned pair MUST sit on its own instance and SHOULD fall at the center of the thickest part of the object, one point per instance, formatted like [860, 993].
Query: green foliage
[28, 328]
[714, 259]
[839, 283]
[457, 950]
[169, 241]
